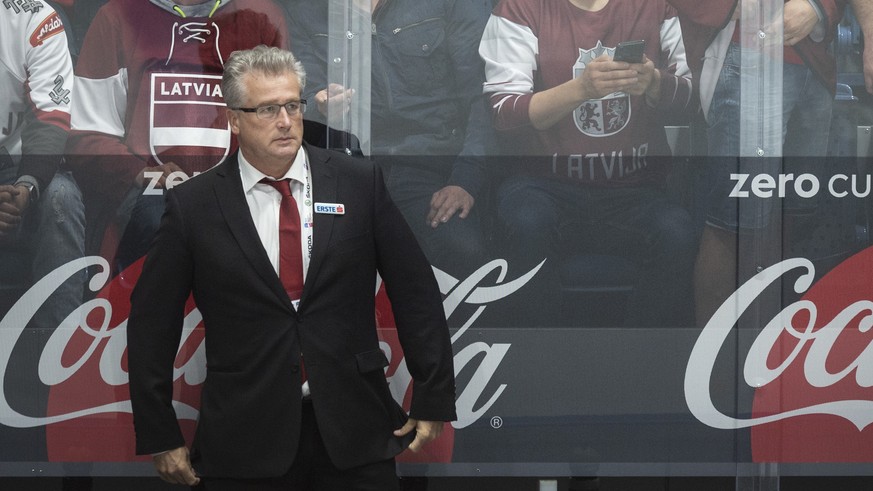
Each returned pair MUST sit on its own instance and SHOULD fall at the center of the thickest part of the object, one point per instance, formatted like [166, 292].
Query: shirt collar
[251, 176]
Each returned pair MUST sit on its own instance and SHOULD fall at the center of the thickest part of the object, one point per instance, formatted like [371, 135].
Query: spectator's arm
[50, 84]
[676, 102]
[96, 148]
[309, 43]
[465, 25]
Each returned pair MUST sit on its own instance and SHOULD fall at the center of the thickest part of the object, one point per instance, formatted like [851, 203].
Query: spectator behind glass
[41, 211]
[150, 112]
[429, 123]
[593, 128]
[806, 94]
[864, 14]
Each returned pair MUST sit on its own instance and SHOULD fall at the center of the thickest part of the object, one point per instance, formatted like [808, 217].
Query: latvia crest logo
[600, 117]
[188, 123]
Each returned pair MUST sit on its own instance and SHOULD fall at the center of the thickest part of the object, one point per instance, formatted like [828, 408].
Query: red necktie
[290, 249]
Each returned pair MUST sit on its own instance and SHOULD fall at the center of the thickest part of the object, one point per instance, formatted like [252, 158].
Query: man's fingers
[441, 208]
[8, 194]
[441, 215]
[10, 217]
[425, 432]
[7, 226]
[406, 428]
[181, 477]
[189, 479]
[448, 201]
[174, 467]
[416, 444]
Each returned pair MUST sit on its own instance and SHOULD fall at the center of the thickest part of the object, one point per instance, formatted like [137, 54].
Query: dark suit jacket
[251, 401]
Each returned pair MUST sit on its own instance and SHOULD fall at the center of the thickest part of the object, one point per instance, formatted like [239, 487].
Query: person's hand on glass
[335, 101]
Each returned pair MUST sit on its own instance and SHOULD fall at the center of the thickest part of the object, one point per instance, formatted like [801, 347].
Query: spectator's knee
[63, 199]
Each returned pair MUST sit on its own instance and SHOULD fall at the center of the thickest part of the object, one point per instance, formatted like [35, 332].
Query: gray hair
[261, 59]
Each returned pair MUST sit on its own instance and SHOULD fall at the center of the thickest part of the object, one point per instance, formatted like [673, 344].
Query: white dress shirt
[264, 202]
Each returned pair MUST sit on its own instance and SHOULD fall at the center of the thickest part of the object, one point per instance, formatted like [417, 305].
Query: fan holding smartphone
[573, 81]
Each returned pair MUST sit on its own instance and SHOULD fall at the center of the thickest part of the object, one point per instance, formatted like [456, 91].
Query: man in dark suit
[261, 425]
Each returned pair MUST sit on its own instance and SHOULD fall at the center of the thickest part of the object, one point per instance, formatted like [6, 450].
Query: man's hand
[13, 203]
[602, 77]
[425, 432]
[334, 101]
[798, 21]
[448, 201]
[648, 81]
[164, 170]
[174, 467]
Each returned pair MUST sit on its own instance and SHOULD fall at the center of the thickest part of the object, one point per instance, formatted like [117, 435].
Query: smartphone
[630, 51]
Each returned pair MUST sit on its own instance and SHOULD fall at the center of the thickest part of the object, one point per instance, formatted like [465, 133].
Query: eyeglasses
[293, 108]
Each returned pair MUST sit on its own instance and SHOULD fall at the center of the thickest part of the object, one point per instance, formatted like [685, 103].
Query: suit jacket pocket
[371, 366]
[372, 360]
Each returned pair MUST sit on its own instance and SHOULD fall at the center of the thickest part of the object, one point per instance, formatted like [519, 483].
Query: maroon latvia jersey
[534, 45]
[150, 91]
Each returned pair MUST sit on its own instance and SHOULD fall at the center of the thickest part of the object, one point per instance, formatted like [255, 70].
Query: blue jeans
[806, 111]
[53, 234]
[457, 246]
[548, 219]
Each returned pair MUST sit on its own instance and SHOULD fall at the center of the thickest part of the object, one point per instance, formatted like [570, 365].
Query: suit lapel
[235, 209]
[324, 184]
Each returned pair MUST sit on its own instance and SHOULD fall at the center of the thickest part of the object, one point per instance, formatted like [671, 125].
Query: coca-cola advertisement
[666, 273]
[777, 374]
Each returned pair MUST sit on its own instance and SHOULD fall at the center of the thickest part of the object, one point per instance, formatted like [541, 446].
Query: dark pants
[546, 219]
[456, 247]
[312, 470]
[140, 228]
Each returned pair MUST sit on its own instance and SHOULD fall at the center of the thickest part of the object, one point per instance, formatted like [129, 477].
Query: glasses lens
[294, 107]
[268, 112]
